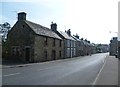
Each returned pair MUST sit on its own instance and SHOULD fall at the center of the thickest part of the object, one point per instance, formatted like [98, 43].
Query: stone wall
[19, 37]
[40, 48]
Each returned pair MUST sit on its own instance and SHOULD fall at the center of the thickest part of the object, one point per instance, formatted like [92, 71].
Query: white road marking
[11, 74]
[44, 68]
[94, 83]
[48, 68]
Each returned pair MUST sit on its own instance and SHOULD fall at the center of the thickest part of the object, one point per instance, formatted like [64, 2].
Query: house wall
[40, 48]
[78, 48]
[113, 47]
[70, 48]
[19, 38]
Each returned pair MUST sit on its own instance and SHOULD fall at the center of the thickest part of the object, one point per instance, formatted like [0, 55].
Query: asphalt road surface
[72, 71]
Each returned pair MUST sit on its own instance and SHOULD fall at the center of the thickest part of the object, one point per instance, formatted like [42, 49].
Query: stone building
[93, 48]
[105, 48]
[79, 45]
[31, 42]
[113, 46]
[69, 42]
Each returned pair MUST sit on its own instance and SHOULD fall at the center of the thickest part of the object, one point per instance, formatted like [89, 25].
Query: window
[74, 44]
[16, 50]
[68, 52]
[60, 43]
[53, 41]
[60, 54]
[45, 41]
[74, 52]
[68, 43]
[23, 26]
[13, 51]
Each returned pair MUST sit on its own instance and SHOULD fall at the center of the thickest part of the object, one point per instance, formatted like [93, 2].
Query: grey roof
[76, 38]
[85, 43]
[41, 30]
[66, 36]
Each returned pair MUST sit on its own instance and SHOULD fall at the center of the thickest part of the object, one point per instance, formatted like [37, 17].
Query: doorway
[53, 55]
[27, 54]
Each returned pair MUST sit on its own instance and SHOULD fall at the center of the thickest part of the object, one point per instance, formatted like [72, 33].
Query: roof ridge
[39, 25]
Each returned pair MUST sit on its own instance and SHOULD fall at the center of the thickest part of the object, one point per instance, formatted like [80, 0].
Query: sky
[94, 20]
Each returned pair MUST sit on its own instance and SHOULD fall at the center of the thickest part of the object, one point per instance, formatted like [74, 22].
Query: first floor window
[45, 41]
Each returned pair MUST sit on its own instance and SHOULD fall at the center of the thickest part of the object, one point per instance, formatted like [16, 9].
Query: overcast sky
[90, 19]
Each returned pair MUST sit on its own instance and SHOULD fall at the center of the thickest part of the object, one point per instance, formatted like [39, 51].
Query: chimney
[88, 41]
[81, 38]
[54, 27]
[77, 36]
[21, 16]
[69, 32]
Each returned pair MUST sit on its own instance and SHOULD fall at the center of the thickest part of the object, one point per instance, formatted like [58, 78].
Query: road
[73, 71]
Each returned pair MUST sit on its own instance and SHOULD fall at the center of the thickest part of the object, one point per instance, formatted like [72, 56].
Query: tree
[4, 29]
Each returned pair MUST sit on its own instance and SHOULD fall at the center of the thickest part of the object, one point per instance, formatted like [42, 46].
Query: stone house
[89, 48]
[85, 47]
[69, 42]
[93, 48]
[113, 46]
[31, 42]
[105, 48]
[79, 45]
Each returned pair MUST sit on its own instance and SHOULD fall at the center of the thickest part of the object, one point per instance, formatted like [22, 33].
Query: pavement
[4, 63]
[108, 74]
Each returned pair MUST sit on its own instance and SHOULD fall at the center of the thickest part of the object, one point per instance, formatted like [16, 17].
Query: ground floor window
[68, 52]
[74, 52]
[16, 51]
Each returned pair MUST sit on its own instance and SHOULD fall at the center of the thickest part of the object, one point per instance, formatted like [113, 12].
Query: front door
[27, 54]
[53, 55]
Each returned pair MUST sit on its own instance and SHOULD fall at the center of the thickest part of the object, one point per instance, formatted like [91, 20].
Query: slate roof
[41, 30]
[85, 43]
[76, 38]
[66, 36]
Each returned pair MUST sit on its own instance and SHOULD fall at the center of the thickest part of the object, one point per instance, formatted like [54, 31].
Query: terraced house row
[32, 42]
